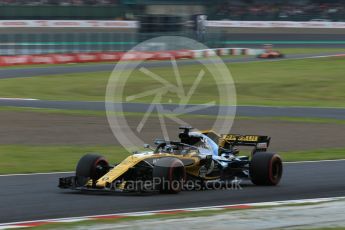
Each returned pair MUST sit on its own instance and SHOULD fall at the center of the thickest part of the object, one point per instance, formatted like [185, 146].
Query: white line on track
[56, 173]
[291, 107]
[35, 174]
[17, 99]
[320, 161]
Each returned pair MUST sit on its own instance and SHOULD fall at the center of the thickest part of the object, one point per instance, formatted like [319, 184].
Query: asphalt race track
[65, 69]
[34, 197]
[257, 111]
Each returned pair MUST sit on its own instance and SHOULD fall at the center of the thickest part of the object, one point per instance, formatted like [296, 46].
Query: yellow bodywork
[132, 160]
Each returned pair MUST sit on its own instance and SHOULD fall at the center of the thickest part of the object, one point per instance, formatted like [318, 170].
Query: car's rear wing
[230, 140]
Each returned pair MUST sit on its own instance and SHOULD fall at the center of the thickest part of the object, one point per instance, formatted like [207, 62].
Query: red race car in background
[269, 53]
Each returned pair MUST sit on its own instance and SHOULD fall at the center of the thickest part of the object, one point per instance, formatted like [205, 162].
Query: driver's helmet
[168, 149]
[206, 145]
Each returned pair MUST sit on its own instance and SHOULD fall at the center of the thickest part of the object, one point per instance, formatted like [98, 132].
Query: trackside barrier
[14, 60]
[42, 59]
[117, 56]
[134, 24]
[69, 23]
[63, 58]
[275, 24]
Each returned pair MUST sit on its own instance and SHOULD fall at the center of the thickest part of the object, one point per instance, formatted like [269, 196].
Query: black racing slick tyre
[91, 166]
[266, 168]
[168, 175]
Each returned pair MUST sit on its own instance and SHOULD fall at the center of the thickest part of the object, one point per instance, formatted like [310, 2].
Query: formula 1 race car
[271, 54]
[198, 159]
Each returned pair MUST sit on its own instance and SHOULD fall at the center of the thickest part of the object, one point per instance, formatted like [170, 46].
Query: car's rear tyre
[91, 166]
[266, 168]
[168, 175]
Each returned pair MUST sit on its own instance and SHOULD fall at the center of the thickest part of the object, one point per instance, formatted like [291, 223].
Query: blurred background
[132, 21]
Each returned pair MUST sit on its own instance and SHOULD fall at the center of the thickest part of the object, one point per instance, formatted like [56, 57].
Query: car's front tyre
[91, 166]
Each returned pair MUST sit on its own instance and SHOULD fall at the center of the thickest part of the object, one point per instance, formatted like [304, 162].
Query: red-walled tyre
[266, 168]
[168, 175]
[91, 166]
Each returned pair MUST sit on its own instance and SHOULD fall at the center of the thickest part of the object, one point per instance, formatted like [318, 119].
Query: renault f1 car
[200, 157]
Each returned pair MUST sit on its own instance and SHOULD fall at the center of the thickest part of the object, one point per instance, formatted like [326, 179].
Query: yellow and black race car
[198, 159]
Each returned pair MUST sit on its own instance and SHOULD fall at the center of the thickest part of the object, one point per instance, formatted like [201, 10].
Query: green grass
[83, 86]
[31, 158]
[314, 155]
[309, 82]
